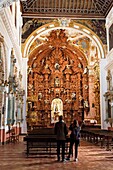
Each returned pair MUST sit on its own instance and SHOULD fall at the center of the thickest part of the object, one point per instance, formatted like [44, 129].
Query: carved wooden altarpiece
[56, 72]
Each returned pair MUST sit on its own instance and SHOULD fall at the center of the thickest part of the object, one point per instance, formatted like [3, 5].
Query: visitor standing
[74, 139]
[61, 132]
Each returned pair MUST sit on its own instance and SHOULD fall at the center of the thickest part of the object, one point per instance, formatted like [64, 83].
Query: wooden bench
[98, 136]
[14, 137]
[43, 142]
[11, 136]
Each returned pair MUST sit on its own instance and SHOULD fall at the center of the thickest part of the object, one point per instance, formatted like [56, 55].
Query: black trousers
[72, 142]
[60, 144]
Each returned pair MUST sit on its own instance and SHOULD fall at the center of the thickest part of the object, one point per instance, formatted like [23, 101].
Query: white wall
[12, 38]
[108, 65]
[24, 127]
[103, 89]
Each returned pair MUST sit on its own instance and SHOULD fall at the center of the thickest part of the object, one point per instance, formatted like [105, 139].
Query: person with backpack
[74, 139]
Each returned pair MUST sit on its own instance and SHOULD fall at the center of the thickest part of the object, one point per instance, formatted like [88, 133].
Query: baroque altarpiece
[57, 81]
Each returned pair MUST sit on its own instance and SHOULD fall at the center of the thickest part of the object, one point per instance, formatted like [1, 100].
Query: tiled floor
[12, 157]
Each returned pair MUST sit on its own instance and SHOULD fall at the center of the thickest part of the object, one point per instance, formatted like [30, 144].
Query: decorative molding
[11, 32]
[6, 3]
[109, 60]
[4, 55]
[109, 19]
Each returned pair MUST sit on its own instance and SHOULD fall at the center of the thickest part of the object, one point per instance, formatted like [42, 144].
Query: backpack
[76, 133]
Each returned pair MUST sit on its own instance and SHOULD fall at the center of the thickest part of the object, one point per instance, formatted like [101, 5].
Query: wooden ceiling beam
[64, 8]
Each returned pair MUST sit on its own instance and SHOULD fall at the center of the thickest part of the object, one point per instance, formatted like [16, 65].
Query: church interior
[55, 59]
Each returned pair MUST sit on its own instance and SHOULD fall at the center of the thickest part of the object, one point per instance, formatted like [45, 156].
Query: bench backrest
[42, 131]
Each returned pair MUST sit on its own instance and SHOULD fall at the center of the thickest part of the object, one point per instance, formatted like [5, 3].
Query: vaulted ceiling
[66, 8]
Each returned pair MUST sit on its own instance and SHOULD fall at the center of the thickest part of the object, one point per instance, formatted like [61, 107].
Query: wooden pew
[96, 136]
[42, 141]
[14, 137]
[11, 136]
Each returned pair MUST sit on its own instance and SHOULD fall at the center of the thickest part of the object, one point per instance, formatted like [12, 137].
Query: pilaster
[9, 25]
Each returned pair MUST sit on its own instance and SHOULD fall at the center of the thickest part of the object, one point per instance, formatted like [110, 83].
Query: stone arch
[72, 70]
[56, 25]
[54, 71]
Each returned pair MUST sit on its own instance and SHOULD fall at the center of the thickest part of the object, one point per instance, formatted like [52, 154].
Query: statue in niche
[39, 96]
[73, 95]
[68, 66]
[56, 108]
[29, 106]
[57, 66]
[86, 105]
[109, 79]
[85, 70]
[15, 70]
[79, 65]
[46, 66]
[57, 82]
[56, 111]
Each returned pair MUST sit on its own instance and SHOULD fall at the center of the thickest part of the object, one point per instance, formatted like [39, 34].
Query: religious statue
[85, 70]
[39, 95]
[86, 105]
[57, 82]
[57, 66]
[56, 108]
[73, 95]
[109, 80]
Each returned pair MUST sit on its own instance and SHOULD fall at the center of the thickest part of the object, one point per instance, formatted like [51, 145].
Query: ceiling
[66, 8]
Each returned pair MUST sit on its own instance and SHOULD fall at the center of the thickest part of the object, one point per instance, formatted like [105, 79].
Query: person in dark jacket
[74, 139]
[61, 132]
